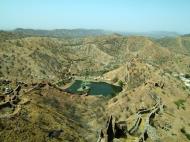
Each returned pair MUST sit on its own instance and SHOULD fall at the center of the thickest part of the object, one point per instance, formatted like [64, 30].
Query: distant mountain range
[154, 34]
[62, 32]
[89, 32]
[186, 35]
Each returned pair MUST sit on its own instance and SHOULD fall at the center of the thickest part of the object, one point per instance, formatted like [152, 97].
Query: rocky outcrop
[113, 130]
[4, 81]
[159, 84]
[120, 130]
[11, 100]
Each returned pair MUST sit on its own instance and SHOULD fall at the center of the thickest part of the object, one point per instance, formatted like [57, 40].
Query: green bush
[180, 104]
[120, 83]
[185, 133]
[187, 76]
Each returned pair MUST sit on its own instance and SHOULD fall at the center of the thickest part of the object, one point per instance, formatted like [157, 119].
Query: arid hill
[35, 72]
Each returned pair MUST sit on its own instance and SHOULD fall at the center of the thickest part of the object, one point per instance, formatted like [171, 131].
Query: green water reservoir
[93, 88]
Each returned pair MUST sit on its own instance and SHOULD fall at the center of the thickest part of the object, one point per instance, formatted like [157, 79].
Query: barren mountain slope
[35, 104]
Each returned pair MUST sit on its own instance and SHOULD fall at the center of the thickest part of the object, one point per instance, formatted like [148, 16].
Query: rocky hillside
[35, 73]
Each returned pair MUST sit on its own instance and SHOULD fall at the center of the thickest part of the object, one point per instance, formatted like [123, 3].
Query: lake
[93, 88]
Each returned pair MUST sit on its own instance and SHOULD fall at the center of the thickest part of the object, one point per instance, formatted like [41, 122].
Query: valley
[93, 87]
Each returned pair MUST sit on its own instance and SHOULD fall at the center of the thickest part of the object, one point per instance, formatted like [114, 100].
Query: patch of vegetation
[52, 101]
[185, 133]
[187, 76]
[121, 83]
[60, 83]
[186, 44]
[180, 103]
[1, 74]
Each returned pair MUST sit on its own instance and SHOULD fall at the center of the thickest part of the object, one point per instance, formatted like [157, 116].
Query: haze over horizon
[120, 15]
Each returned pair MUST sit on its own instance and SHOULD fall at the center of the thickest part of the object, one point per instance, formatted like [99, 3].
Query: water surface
[94, 88]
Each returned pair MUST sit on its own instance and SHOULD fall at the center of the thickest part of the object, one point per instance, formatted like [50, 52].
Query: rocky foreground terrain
[36, 72]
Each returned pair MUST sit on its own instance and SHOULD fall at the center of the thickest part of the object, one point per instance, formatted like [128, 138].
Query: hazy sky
[119, 15]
